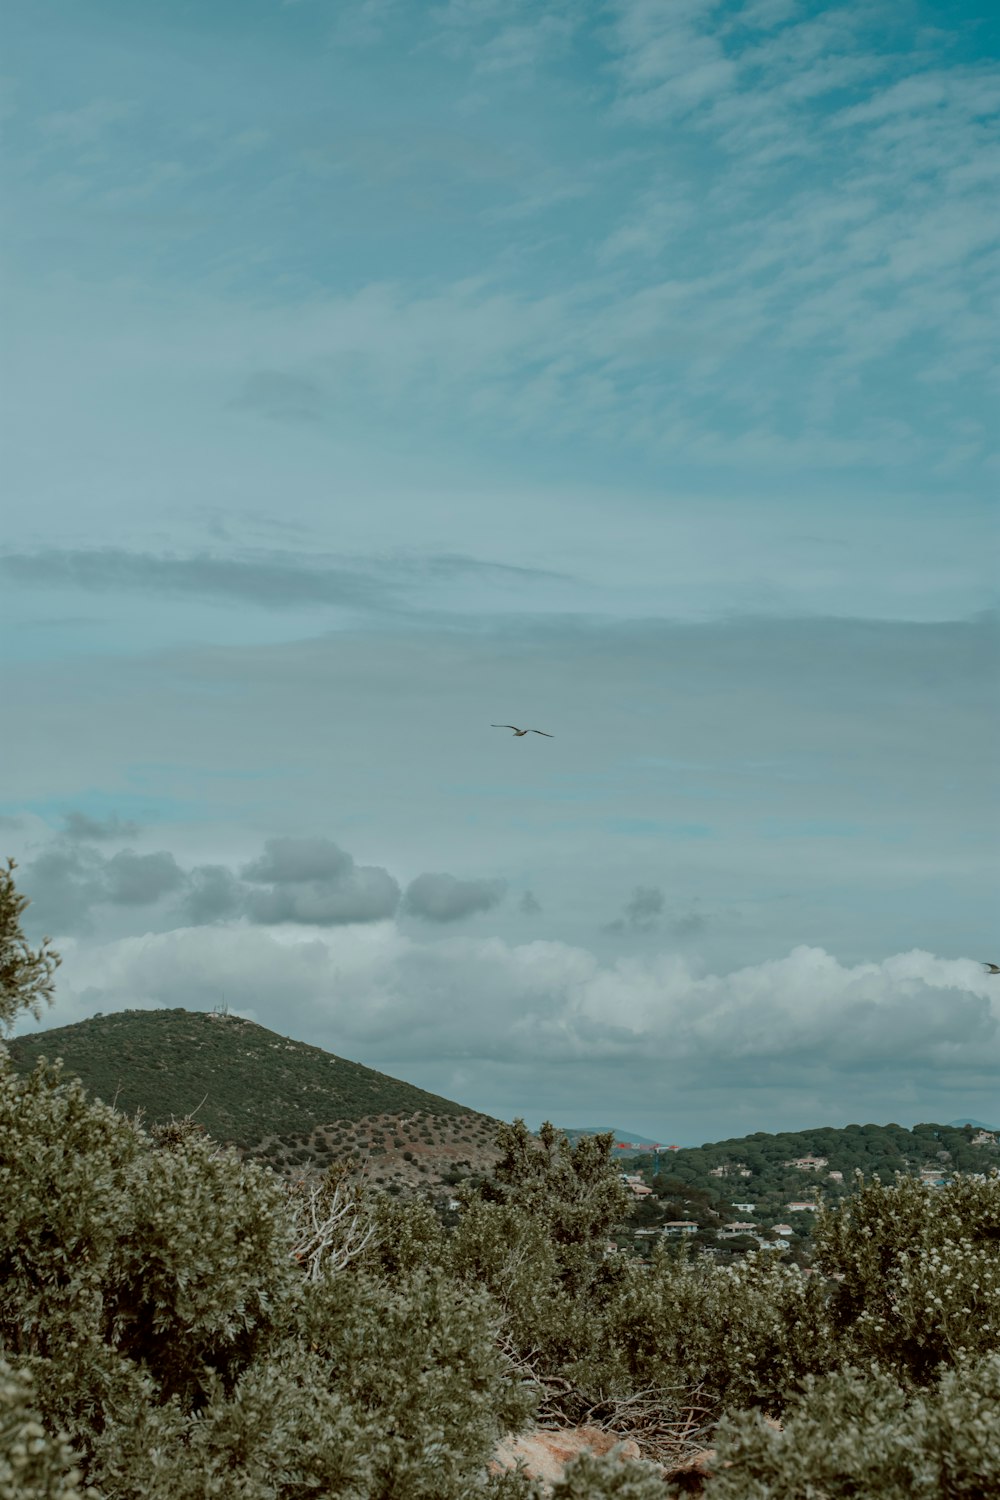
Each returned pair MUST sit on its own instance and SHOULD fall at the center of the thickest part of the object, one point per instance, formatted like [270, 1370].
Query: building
[730, 1231]
[808, 1163]
[745, 1208]
[783, 1229]
[801, 1208]
[681, 1226]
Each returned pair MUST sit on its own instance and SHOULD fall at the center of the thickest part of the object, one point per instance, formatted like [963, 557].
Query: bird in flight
[992, 968]
[519, 732]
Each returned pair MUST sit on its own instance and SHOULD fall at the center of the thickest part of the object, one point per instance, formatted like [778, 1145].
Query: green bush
[920, 1269]
[745, 1333]
[857, 1432]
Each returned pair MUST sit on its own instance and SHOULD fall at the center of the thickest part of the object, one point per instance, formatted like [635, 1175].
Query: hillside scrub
[859, 1432]
[178, 1322]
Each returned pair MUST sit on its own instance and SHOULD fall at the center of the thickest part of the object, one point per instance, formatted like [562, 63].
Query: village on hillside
[678, 1198]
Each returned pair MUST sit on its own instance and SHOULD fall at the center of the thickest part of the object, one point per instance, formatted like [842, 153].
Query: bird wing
[542, 731]
[503, 726]
[992, 968]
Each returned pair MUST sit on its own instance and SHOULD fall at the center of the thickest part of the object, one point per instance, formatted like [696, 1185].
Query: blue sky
[376, 371]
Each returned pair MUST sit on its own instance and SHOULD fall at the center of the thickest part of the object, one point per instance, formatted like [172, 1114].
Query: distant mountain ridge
[625, 1140]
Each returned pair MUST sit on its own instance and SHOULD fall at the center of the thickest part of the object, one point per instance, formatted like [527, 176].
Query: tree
[25, 973]
[575, 1190]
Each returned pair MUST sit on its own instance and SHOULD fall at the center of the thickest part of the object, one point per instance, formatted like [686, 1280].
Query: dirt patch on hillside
[400, 1152]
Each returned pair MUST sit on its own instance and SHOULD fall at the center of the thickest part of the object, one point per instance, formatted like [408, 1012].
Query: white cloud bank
[375, 993]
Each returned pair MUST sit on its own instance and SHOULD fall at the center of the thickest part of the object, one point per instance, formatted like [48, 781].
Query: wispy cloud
[266, 579]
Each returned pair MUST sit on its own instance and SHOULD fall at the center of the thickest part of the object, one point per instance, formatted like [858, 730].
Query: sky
[377, 371]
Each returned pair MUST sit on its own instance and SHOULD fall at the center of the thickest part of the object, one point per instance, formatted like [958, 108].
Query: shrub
[856, 1432]
[747, 1333]
[607, 1478]
[921, 1273]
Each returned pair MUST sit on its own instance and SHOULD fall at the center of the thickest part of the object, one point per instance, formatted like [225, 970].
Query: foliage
[33, 1464]
[856, 1432]
[607, 1478]
[920, 1269]
[26, 973]
[573, 1190]
[744, 1335]
[375, 1393]
[534, 1235]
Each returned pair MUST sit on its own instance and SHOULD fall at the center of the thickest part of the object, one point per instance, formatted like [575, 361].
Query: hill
[756, 1179]
[275, 1098]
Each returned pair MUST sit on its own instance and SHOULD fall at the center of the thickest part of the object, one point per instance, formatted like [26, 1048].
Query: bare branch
[332, 1224]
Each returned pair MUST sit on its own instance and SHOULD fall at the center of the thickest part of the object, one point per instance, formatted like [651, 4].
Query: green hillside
[246, 1083]
[708, 1184]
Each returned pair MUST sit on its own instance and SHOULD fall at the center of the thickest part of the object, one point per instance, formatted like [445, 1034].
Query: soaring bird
[992, 968]
[519, 732]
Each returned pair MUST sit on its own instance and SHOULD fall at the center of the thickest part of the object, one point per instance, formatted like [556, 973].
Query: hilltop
[283, 1101]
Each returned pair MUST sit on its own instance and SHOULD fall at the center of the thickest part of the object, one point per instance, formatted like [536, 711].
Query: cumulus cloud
[213, 894]
[67, 881]
[305, 880]
[132, 879]
[313, 881]
[361, 895]
[63, 885]
[287, 860]
[443, 898]
[80, 827]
